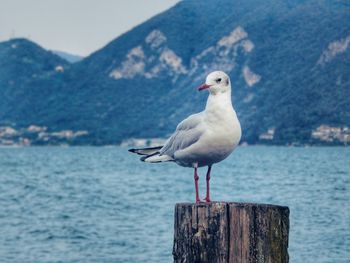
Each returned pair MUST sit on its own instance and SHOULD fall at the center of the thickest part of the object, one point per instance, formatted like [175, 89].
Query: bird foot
[207, 200]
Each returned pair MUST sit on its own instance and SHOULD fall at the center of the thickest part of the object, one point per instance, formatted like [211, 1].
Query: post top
[234, 204]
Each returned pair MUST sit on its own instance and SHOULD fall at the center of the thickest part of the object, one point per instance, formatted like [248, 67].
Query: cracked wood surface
[222, 232]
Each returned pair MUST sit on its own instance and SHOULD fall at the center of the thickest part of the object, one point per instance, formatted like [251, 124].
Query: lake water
[90, 204]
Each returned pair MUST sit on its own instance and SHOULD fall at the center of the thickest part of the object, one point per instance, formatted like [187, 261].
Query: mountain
[288, 62]
[24, 68]
[22, 60]
[71, 58]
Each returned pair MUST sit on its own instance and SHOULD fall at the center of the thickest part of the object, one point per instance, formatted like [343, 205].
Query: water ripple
[90, 204]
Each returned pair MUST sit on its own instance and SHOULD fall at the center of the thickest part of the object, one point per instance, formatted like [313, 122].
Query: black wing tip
[136, 150]
[143, 159]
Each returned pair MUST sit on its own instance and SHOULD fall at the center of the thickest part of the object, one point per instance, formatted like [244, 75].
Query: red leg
[196, 183]
[207, 198]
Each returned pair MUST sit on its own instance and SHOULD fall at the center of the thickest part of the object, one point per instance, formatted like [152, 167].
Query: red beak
[203, 86]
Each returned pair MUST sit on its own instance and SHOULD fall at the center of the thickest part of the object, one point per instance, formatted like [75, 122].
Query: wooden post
[221, 232]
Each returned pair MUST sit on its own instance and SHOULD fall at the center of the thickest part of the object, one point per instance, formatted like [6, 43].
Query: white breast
[221, 137]
[222, 133]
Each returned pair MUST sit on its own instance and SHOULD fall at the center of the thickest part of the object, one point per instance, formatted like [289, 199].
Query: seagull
[204, 138]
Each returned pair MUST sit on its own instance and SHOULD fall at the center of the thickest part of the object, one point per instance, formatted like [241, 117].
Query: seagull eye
[218, 80]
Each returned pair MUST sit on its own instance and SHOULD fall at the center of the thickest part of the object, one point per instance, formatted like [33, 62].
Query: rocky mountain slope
[288, 62]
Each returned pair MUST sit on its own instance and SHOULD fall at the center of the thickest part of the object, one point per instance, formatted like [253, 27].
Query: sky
[79, 27]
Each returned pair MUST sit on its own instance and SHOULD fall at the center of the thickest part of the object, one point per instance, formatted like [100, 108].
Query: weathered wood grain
[221, 232]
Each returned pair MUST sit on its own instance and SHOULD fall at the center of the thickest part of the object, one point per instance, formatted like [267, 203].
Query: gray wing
[187, 133]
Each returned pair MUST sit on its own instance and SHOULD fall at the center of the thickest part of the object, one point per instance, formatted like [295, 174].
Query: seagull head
[216, 82]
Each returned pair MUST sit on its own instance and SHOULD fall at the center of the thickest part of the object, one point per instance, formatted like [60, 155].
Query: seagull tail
[146, 151]
[156, 158]
[151, 155]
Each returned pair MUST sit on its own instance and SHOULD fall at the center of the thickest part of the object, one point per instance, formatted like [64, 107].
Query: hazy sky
[75, 26]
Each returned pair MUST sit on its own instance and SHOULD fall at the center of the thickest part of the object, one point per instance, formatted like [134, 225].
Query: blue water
[89, 204]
